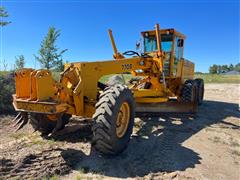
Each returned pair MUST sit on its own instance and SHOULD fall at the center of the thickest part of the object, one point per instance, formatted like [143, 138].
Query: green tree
[219, 69]
[3, 15]
[59, 66]
[19, 62]
[237, 67]
[225, 68]
[50, 57]
[231, 67]
[213, 69]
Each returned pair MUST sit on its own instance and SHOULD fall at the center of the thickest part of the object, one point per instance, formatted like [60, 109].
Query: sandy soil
[203, 146]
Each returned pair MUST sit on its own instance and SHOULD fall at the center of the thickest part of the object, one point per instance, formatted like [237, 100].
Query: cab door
[178, 53]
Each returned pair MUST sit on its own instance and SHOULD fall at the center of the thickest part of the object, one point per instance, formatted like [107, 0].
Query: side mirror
[138, 45]
[180, 43]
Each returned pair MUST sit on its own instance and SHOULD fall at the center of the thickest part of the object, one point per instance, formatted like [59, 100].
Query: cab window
[150, 43]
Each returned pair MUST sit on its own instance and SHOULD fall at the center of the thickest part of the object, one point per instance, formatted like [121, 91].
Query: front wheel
[113, 120]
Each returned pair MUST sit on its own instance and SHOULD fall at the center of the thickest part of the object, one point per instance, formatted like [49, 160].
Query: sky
[211, 27]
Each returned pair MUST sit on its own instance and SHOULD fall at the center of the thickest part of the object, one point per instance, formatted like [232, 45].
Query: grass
[31, 139]
[54, 177]
[3, 73]
[78, 177]
[92, 175]
[35, 139]
[84, 170]
[218, 78]
[17, 136]
[208, 78]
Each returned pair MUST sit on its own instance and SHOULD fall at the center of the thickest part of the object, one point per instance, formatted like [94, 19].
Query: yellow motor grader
[165, 83]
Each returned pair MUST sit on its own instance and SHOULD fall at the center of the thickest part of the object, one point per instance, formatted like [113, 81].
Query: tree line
[49, 55]
[219, 69]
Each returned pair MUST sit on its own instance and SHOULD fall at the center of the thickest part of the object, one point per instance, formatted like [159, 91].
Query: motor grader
[165, 83]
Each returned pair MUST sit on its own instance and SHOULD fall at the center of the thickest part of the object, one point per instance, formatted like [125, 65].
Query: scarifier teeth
[19, 120]
[23, 122]
[18, 115]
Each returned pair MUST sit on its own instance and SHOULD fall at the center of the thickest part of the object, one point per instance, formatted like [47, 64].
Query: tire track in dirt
[44, 164]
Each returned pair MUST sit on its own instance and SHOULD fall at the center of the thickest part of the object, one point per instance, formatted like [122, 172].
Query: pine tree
[213, 69]
[19, 62]
[3, 14]
[237, 67]
[50, 57]
[231, 67]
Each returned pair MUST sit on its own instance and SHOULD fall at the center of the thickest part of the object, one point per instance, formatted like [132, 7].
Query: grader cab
[163, 81]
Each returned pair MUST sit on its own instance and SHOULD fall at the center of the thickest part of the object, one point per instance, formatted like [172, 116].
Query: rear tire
[200, 87]
[116, 103]
[189, 91]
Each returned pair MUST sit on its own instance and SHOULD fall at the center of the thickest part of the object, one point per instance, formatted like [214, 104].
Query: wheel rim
[122, 119]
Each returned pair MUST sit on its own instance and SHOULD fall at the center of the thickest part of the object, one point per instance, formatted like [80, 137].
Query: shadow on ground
[157, 146]
[75, 131]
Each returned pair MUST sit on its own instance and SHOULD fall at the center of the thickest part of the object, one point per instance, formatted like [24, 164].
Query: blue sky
[211, 27]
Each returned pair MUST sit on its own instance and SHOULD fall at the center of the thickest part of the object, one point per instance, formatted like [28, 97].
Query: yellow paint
[185, 69]
[44, 85]
[151, 100]
[147, 93]
[22, 78]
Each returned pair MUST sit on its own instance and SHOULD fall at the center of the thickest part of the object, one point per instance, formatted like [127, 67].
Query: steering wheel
[131, 53]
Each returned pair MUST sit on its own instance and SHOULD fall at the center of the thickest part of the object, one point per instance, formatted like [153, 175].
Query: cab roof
[165, 31]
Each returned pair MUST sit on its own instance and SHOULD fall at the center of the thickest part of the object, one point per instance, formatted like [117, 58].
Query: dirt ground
[203, 146]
